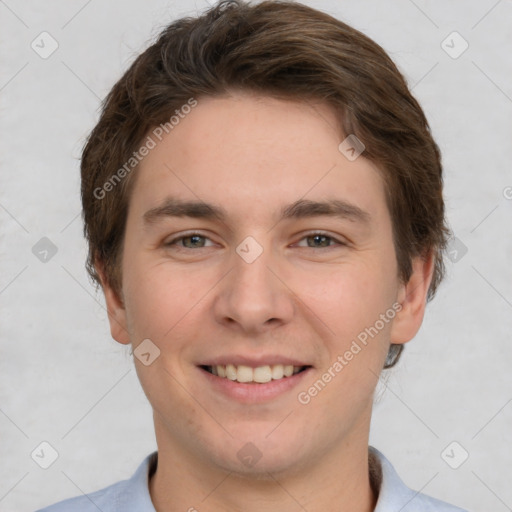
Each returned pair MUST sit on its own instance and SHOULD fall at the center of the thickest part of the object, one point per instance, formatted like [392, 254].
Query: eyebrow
[302, 208]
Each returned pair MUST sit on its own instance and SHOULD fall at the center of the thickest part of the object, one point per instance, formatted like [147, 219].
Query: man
[263, 204]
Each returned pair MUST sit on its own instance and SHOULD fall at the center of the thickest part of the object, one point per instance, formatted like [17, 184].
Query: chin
[265, 468]
[253, 455]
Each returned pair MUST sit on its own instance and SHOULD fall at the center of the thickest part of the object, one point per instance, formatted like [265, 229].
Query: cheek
[353, 294]
[351, 304]
[158, 296]
[355, 302]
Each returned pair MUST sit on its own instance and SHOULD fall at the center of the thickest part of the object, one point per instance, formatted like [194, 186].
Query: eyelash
[307, 235]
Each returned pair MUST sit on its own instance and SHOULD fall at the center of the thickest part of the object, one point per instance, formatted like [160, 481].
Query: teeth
[277, 371]
[231, 373]
[244, 374]
[261, 374]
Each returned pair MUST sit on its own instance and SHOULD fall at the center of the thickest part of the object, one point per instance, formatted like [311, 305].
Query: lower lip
[254, 392]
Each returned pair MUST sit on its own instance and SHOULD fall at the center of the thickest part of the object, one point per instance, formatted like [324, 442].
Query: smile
[258, 375]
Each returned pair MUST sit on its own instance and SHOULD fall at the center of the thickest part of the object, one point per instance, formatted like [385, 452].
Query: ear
[115, 308]
[413, 298]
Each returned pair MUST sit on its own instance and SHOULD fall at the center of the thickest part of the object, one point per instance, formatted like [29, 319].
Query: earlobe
[115, 308]
[413, 298]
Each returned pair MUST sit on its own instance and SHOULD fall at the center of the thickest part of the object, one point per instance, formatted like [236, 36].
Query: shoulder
[126, 495]
[395, 495]
[104, 499]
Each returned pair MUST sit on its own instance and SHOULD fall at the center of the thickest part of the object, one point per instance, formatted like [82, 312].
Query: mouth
[258, 375]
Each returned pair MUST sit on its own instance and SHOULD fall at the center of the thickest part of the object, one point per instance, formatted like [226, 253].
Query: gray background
[63, 380]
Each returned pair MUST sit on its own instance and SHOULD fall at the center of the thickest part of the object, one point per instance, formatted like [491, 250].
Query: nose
[253, 297]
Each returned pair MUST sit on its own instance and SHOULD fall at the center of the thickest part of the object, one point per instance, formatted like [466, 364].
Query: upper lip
[254, 361]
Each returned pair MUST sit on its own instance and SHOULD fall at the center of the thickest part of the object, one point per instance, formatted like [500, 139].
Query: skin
[198, 299]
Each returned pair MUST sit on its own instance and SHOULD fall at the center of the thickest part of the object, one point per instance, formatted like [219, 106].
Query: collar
[392, 493]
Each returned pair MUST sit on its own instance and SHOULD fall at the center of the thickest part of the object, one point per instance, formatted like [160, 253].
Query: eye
[188, 241]
[321, 240]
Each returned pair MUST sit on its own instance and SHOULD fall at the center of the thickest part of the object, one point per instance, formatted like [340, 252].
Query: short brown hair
[286, 50]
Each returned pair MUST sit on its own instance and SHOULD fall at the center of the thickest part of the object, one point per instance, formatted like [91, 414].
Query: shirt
[132, 495]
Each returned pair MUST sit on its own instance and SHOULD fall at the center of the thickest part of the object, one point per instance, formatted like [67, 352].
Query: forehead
[251, 153]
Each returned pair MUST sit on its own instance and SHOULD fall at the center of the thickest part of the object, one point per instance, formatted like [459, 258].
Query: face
[284, 272]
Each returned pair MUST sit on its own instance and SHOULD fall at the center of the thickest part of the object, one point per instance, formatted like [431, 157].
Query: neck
[339, 482]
